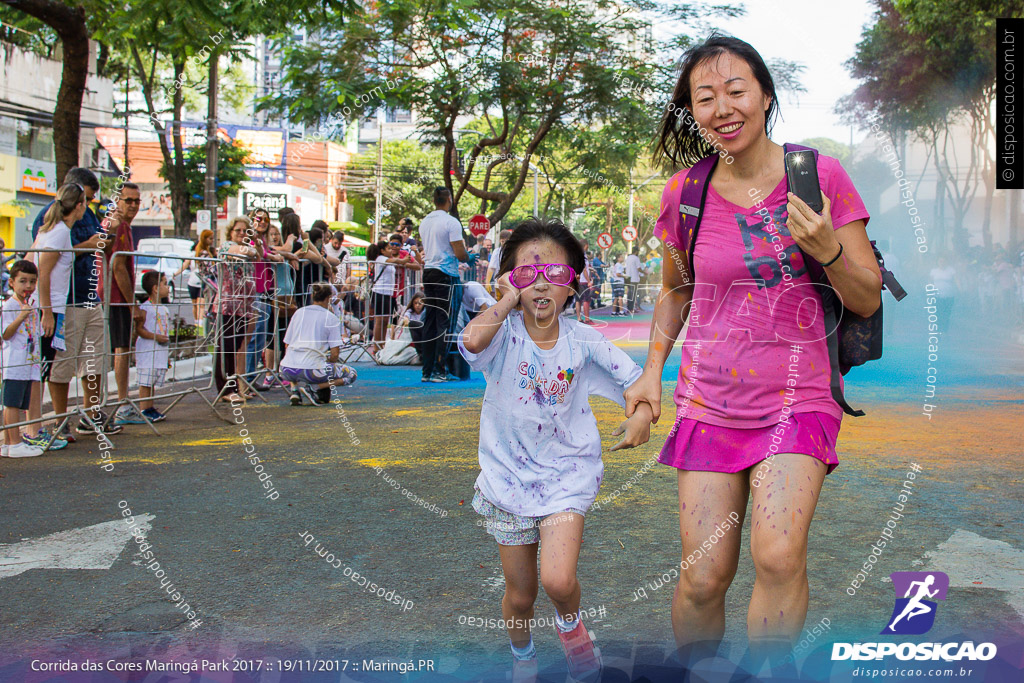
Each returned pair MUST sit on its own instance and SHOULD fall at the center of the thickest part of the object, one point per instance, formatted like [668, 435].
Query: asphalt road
[240, 559]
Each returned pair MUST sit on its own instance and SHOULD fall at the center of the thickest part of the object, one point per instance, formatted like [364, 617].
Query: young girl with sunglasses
[540, 449]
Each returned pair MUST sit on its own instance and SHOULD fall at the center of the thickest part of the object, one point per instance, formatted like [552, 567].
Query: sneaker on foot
[128, 416]
[438, 378]
[154, 415]
[267, 383]
[43, 438]
[99, 419]
[308, 395]
[524, 670]
[66, 435]
[296, 397]
[583, 658]
[22, 450]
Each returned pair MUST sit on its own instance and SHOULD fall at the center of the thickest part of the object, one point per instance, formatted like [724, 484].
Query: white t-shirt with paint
[148, 353]
[540, 448]
[312, 332]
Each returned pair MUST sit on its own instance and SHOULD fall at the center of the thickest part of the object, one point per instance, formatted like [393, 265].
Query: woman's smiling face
[728, 102]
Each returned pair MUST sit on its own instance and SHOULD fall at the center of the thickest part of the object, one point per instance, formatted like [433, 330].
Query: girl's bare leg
[561, 536]
[519, 565]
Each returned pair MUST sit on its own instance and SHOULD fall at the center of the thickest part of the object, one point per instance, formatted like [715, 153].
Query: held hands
[506, 289]
[811, 232]
[636, 429]
[646, 390]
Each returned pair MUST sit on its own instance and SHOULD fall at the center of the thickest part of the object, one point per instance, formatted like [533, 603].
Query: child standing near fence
[151, 351]
[19, 321]
[312, 346]
[540, 449]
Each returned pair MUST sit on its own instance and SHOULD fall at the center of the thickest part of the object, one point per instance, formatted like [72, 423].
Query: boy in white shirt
[151, 351]
[20, 356]
[312, 346]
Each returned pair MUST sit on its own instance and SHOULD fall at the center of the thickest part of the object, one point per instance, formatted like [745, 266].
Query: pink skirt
[695, 445]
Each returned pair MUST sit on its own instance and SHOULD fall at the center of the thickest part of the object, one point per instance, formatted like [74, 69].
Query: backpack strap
[828, 305]
[691, 205]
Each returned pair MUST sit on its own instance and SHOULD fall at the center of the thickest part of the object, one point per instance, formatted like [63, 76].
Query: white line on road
[90, 547]
[968, 559]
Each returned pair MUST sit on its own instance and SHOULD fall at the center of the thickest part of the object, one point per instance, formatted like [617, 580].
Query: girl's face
[542, 300]
[275, 237]
[417, 306]
[728, 102]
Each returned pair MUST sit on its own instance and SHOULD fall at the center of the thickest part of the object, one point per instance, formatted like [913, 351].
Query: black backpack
[853, 340]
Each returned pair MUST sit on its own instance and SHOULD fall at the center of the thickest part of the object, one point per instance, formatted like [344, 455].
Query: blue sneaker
[42, 439]
[128, 416]
[154, 415]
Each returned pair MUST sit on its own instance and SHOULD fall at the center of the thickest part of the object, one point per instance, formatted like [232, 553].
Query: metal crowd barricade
[92, 353]
[184, 339]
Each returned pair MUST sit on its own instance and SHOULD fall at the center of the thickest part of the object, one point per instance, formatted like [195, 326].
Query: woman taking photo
[754, 417]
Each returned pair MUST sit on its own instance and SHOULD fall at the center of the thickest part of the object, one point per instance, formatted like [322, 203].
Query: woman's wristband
[826, 265]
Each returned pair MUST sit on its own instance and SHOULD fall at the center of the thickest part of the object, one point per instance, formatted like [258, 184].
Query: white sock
[527, 652]
[566, 626]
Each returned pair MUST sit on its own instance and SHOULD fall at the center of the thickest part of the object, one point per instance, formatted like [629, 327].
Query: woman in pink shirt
[755, 415]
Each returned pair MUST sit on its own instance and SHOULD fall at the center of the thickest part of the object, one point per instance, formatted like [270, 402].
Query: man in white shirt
[633, 272]
[443, 248]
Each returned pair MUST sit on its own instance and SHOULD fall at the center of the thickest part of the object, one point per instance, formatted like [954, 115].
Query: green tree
[523, 68]
[230, 172]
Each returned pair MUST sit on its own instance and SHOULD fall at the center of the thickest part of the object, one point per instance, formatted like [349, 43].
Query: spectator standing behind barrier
[151, 352]
[54, 285]
[443, 247]
[617, 279]
[85, 330]
[312, 349]
[585, 296]
[284, 301]
[495, 261]
[197, 270]
[307, 249]
[334, 249]
[263, 272]
[383, 262]
[633, 272]
[19, 322]
[234, 302]
[123, 308]
[331, 262]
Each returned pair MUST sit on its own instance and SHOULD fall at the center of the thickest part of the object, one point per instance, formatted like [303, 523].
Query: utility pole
[210, 197]
[379, 194]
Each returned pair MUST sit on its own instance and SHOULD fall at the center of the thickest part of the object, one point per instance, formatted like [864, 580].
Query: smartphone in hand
[802, 179]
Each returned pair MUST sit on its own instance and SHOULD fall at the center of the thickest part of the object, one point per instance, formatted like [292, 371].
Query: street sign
[203, 219]
[653, 243]
[479, 225]
[604, 240]
[629, 233]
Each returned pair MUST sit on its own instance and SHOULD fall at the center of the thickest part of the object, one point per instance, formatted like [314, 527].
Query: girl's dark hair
[321, 291]
[534, 229]
[23, 266]
[372, 252]
[676, 142]
[291, 224]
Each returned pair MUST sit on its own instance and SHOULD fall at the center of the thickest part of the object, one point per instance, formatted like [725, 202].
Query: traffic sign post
[203, 219]
[479, 225]
[629, 233]
[604, 240]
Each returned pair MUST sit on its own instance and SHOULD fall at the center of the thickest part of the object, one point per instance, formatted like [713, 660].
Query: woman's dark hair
[23, 266]
[676, 142]
[321, 291]
[291, 224]
[534, 229]
[315, 234]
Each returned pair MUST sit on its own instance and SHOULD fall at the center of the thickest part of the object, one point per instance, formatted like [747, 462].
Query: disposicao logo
[917, 594]
[914, 612]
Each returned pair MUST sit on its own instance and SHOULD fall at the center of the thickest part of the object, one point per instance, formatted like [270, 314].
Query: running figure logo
[914, 612]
